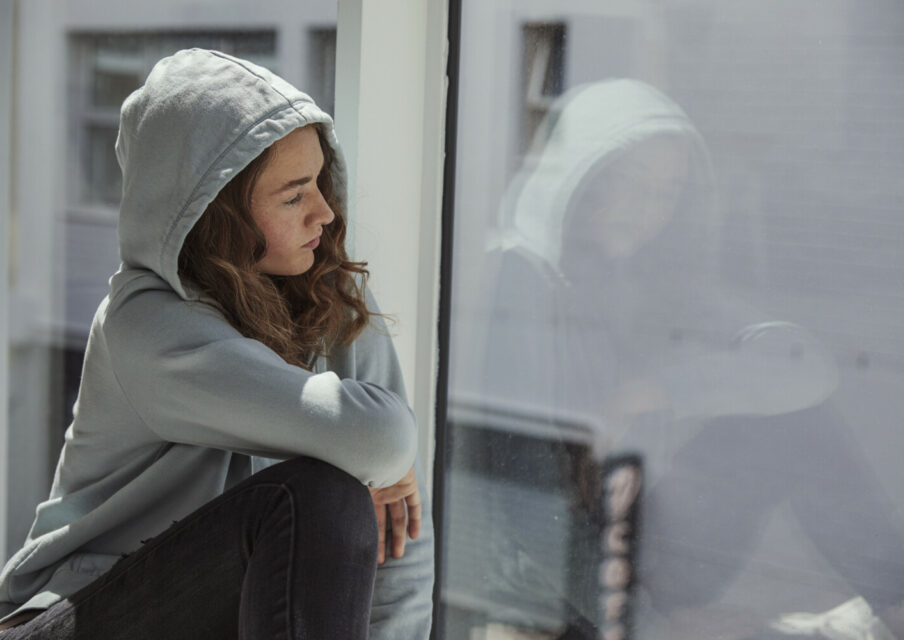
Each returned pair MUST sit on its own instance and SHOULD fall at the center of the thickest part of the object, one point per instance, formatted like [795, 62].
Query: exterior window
[110, 67]
[322, 67]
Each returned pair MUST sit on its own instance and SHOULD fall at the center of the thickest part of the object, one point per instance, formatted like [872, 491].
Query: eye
[294, 200]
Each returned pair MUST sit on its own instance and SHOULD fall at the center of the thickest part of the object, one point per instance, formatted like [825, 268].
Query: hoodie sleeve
[403, 592]
[193, 379]
[770, 368]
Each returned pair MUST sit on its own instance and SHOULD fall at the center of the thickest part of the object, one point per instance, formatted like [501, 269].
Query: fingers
[403, 488]
[402, 503]
[414, 514]
[392, 494]
[399, 519]
[381, 531]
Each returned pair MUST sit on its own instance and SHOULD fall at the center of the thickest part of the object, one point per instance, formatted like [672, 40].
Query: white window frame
[390, 117]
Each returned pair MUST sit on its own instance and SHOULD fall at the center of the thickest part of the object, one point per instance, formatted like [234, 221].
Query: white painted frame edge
[390, 117]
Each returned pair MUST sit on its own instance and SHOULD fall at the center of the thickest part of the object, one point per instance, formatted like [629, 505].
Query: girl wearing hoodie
[240, 395]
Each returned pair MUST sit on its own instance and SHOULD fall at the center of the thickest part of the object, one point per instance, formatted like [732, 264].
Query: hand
[403, 503]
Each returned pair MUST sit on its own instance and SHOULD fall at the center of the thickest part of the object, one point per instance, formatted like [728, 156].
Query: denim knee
[335, 510]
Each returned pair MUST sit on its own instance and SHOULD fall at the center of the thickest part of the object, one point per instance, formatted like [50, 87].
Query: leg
[702, 519]
[289, 553]
[846, 512]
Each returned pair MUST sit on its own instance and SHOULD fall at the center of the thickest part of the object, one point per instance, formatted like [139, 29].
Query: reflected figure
[604, 315]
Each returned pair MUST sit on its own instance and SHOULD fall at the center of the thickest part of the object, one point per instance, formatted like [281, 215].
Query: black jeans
[289, 553]
[705, 516]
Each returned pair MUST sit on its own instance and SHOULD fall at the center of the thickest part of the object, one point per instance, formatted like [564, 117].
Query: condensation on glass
[68, 95]
[676, 360]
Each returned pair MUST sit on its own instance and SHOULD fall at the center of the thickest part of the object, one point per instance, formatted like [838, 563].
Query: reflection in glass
[648, 437]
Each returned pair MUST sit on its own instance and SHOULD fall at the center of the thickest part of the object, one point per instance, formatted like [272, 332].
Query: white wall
[390, 102]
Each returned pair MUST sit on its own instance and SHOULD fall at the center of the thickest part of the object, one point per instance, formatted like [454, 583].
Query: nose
[321, 214]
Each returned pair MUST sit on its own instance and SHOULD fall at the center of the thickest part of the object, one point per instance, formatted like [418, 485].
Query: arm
[771, 368]
[192, 378]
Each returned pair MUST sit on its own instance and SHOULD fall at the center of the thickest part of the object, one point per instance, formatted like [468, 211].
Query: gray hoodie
[175, 405]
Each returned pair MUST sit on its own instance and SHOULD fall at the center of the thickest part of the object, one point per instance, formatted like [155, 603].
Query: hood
[587, 129]
[199, 119]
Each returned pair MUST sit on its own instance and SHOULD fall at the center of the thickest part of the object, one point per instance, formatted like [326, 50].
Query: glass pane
[102, 175]
[117, 65]
[322, 68]
[258, 48]
[119, 69]
[676, 362]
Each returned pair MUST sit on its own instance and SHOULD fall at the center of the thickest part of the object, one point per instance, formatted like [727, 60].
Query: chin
[297, 272]
[304, 268]
[287, 271]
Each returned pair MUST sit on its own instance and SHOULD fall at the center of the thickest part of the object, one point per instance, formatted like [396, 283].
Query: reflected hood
[586, 130]
[200, 118]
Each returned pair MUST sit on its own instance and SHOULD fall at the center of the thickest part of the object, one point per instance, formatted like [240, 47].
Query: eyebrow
[293, 183]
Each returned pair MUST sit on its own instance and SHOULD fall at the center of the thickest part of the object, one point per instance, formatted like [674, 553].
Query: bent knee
[334, 506]
[313, 476]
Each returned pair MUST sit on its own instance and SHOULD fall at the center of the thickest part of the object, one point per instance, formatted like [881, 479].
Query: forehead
[297, 153]
[656, 156]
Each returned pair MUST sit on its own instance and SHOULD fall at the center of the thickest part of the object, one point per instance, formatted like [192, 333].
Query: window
[674, 364]
[322, 64]
[543, 62]
[109, 67]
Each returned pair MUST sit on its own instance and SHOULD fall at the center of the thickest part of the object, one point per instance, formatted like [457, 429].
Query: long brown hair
[299, 317]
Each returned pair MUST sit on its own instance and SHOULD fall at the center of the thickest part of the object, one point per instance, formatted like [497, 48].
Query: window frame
[7, 36]
[395, 181]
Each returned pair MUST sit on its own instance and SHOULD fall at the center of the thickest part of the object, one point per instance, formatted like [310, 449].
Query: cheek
[276, 233]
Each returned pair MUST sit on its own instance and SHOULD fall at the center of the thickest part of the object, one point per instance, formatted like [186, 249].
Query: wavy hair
[299, 317]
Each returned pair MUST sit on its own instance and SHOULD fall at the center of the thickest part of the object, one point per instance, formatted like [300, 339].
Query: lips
[313, 244]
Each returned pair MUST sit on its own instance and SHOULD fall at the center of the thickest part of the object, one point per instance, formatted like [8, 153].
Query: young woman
[240, 394]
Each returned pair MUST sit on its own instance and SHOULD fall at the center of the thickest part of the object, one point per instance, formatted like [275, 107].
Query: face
[623, 213]
[287, 205]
